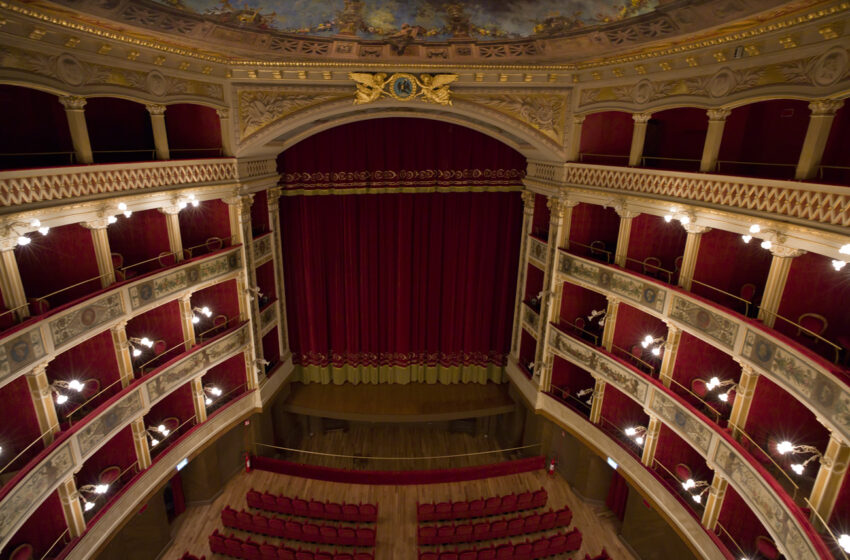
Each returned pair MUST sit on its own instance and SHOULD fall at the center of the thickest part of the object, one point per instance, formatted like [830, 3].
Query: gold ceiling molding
[545, 112]
[258, 108]
[401, 86]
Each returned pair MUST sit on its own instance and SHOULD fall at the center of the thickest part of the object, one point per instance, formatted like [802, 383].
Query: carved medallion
[401, 86]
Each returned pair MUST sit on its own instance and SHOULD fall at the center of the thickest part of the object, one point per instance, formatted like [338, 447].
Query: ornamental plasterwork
[624, 285]
[70, 326]
[259, 108]
[18, 352]
[74, 73]
[537, 251]
[715, 325]
[531, 318]
[546, 112]
[100, 428]
[675, 416]
[401, 86]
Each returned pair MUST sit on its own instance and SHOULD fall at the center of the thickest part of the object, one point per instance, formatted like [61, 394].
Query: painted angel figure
[369, 86]
[436, 88]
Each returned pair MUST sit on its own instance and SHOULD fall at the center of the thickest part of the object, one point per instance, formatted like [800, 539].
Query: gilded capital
[579, 119]
[825, 106]
[718, 114]
[785, 252]
[641, 117]
[100, 223]
[73, 102]
[155, 109]
[8, 244]
[223, 113]
[696, 228]
[528, 201]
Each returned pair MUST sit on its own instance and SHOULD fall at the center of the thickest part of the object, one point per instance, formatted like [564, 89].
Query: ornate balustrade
[43, 185]
[805, 375]
[783, 200]
[23, 349]
[66, 455]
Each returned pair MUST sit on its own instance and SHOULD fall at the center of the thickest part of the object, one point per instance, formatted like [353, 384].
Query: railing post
[668, 360]
[43, 403]
[638, 137]
[775, 284]
[650, 440]
[160, 135]
[273, 198]
[820, 122]
[743, 399]
[573, 150]
[102, 252]
[689, 258]
[140, 443]
[71, 507]
[11, 285]
[528, 213]
[830, 479]
[713, 137]
[714, 502]
[75, 113]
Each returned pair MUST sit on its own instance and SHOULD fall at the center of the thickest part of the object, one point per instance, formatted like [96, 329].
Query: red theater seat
[547, 520]
[557, 544]
[320, 555]
[285, 553]
[368, 513]
[515, 526]
[540, 548]
[539, 498]
[277, 527]
[445, 534]
[293, 531]
[328, 535]
[505, 552]
[316, 509]
[443, 510]
[523, 551]
[425, 512]
[310, 533]
[492, 505]
[244, 521]
[254, 498]
[346, 536]
[488, 553]
[365, 537]
[563, 517]
[269, 502]
[300, 507]
[481, 531]
[363, 556]
[427, 535]
[268, 552]
[463, 533]
[523, 501]
[509, 503]
[283, 505]
[333, 511]
[233, 547]
[460, 510]
[448, 556]
[532, 523]
[304, 555]
[428, 556]
[350, 512]
[476, 508]
[498, 529]
[343, 556]
[468, 555]
[250, 551]
[573, 540]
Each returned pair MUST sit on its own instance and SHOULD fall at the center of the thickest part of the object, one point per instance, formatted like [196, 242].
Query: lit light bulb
[122, 206]
[688, 484]
[23, 240]
[43, 230]
[755, 228]
[75, 385]
[844, 542]
[181, 205]
[845, 249]
[61, 399]
[838, 265]
[111, 220]
[723, 397]
[146, 341]
[784, 447]
[128, 213]
[697, 498]
[206, 311]
[216, 391]
[685, 220]
[656, 351]
[639, 440]
[195, 203]
[136, 352]
[101, 488]
[797, 468]
[154, 442]
[88, 505]
[713, 382]
[747, 238]
[630, 431]
[196, 319]
[668, 218]
[35, 223]
[766, 244]
[208, 401]
[162, 429]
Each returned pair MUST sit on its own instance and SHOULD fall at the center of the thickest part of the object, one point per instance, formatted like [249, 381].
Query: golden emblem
[431, 88]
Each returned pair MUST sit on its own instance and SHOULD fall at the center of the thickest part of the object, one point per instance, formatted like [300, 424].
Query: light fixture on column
[21, 229]
[211, 391]
[637, 433]
[838, 265]
[134, 343]
[656, 343]
[785, 447]
[122, 207]
[691, 484]
[845, 249]
[203, 311]
[253, 291]
[684, 218]
[844, 542]
[601, 313]
[73, 385]
[716, 383]
[586, 393]
[157, 431]
[41, 229]
[92, 490]
[183, 203]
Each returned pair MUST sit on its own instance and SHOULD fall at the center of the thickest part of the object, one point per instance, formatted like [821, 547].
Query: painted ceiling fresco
[417, 19]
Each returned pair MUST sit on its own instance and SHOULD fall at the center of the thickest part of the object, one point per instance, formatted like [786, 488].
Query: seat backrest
[683, 471]
[166, 259]
[580, 323]
[699, 387]
[813, 322]
[748, 292]
[476, 506]
[368, 512]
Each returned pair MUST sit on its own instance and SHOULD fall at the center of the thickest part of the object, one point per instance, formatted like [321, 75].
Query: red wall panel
[265, 280]
[221, 298]
[141, 237]
[210, 218]
[673, 450]
[42, 528]
[579, 302]
[33, 121]
[16, 436]
[271, 347]
[738, 520]
[118, 451]
[698, 359]
[228, 375]
[178, 404]
[119, 125]
[540, 218]
[633, 325]
[676, 133]
[192, 127]
[651, 236]
[590, 223]
[260, 213]
[570, 377]
[608, 132]
[160, 323]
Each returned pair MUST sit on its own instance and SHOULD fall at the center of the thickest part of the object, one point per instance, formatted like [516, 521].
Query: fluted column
[820, 123]
[743, 399]
[226, 132]
[71, 507]
[610, 323]
[140, 443]
[11, 285]
[775, 284]
[689, 258]
[102, 252]
[43, 403]
[160, 135]
[714, 501]
[172, 223]
[528, 214]
[273, 197]
[574, 150]
[186, 315]
[622, 250]
[668, 360]
[75, 112]
[833, 470]
[713, 136]
[596, 402]
[199, 400]
[650, 440]
[122, 353]
[638, 137]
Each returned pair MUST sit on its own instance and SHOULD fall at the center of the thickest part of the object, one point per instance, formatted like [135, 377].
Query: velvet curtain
[403, 284]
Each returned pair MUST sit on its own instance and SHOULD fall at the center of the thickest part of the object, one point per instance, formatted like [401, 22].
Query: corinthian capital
[528, 201]
[785, 252]
[73, 102]
[155, 109]
[696, 228]
[718, 114]
[825, 106]
[641, 117]
[223, 113]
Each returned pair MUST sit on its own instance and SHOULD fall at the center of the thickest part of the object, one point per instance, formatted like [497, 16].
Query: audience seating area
[499, 529]
[360, 513]
[481, 507]
[294, 530]
[187, 556]
[602, 556]
[249, 550]
[561, 543]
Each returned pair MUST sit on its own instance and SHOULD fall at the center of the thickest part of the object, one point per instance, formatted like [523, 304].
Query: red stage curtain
[400, 286]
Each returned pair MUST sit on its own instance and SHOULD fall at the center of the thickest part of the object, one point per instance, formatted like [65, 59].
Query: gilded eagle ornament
[401, 86]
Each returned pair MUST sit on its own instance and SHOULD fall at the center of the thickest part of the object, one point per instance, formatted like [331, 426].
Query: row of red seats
[187, 556]
[540, 548]
[250, 550]
[447, 534]
[479, 508]
[602, 556]
[355, 513]
[294, 530]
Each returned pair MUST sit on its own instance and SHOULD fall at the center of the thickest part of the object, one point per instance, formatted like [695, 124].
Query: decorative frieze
[20, 351]
[537, 250]
[719, 327]
[262, 248]
[530, 318]
[624, 285]
[103, 426]
[78, 321]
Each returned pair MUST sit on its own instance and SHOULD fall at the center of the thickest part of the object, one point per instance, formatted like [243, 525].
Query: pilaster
[528, 213]
[610, 323]
[102, 252]
[833, 470]
[71, 507]
[252, 379]
[713, 136]
[122, 353]
[172, 223]
[743, 399]
[186, 315]
[668, 360]
[638, 137]
[820, 122]
[75, 113]
[140, 443]
[226, 132]
[11, 285]
[775, 284]
[573, 150]
[650, 440]
[714, 502]
[160, 135]
[273, 198]
[42, 402]
[199, 400]
[626, 217]
[689, 258]
[557, 207]
[596, 402]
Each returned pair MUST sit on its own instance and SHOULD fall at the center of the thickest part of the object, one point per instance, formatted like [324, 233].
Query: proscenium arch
[291, 129]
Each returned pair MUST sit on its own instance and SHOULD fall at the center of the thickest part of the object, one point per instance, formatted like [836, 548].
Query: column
[610, 322]
[71, 507]
[226, 132]
[626, 217]
[160, 135]
[820, 122]
[596, 403]
[273, 198]
[668, 359]
[528, 214]
[199, 400]
[775, 284]
[743, 399]
[833, 468]
[252, 378]
[689, 258]
[140, 442]
[650, 440]
[122, 353]
[573, 153]
[11, 285]
[714, 502]
[172, 223]
[74, 111]
[713, 136]
[186, 315]
[102, 252]
[638, 137]
[42, 402]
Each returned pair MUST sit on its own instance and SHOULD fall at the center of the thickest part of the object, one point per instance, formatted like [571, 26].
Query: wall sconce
[253, 291]
[684, 218]
[715, 382]
[160, 430]
[183, 203]
[691, 483]
[122, 207]
[601, 313]
[20, 229]
[637, 433]
[586, 393]
[203, 311]
[144, 341]
[92, 489]
[785, 447]
[649, 341]
[211, 391]
[72, 385]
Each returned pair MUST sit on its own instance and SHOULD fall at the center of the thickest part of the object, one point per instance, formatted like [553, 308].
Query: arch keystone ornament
[401, 86]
